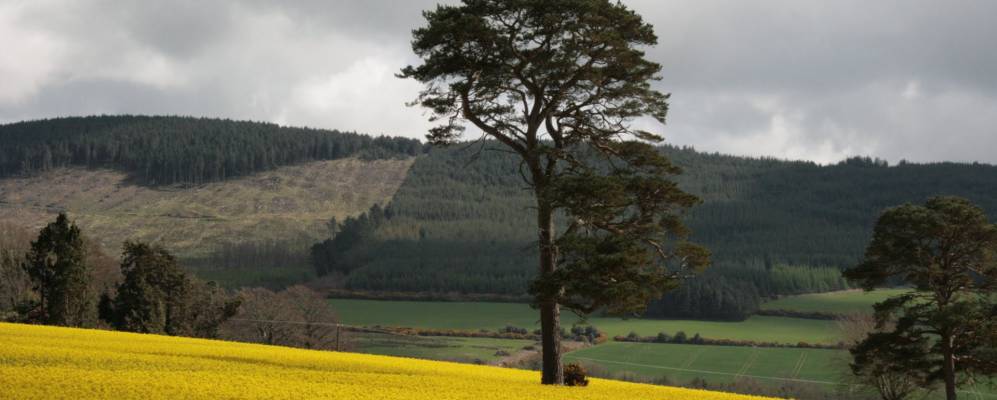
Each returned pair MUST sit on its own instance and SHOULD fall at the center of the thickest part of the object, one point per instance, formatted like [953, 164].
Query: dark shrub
[574, 375]
[696, 339]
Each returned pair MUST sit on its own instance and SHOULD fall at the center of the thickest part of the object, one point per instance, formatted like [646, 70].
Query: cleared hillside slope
[38, 362]
[289, 205]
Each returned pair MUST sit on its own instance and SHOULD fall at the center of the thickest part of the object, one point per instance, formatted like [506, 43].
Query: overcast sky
[818, 80]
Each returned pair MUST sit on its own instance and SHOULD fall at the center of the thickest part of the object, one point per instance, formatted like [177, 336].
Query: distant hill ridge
[775, 227]
[454, 222]
[162, 150]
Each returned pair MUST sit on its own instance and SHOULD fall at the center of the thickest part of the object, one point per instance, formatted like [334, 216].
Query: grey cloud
[795, 79]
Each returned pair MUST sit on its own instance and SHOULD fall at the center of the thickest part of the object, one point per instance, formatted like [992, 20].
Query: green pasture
[474, 350]
[840, 302]
[715, 364]
[679, 364]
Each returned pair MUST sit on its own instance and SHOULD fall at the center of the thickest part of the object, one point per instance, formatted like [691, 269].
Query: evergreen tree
[558, 83]
[158, 296]
[152, 297]
[57, 267]
[349, 246]
[945, 330]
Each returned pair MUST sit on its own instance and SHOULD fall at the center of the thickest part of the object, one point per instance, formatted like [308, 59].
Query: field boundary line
[695, 356]
[356, 328]
[799, 365]
[749, 362]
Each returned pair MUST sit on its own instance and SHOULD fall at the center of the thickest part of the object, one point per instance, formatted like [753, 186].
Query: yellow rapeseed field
[38, 362]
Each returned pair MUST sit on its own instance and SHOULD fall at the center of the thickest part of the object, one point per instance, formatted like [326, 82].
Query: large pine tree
[558, 83]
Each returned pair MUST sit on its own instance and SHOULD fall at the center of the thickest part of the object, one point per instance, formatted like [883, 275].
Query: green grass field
[492, 316]
[678, 363]
[681, 363]
[459, 349]
[643, 361]
[841, 302]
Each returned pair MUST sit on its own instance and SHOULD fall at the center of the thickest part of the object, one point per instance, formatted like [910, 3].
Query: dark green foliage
[587, 333]
[150, 299]
[894, 363]
[624, 243]
[157, 296]
[944, 331]
[710, 297]
[459, 223]
[348, 249]
[697, 339]
[168, 150]
[462, 219]
[57, 267]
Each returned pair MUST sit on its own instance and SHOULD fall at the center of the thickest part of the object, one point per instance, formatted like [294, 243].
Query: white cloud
[366, 96]
[912, 90]
[29, 57]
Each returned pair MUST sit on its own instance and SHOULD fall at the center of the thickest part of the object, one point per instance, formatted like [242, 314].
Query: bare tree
[15, 286]
[295, 317]
[263, 318]
[319, 328]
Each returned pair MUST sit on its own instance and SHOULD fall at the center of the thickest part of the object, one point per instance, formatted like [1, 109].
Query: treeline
[681, 337]
[62, 278]
[348, 245]
[460, 223]
[579, 333]
[180, 150]
[711, 296]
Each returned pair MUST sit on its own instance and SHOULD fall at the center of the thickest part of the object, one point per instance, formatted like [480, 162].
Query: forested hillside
[168, 150]
[460, 223]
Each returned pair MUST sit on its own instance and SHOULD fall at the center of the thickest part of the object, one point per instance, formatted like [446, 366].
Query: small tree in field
[945, 330]
[558, 82]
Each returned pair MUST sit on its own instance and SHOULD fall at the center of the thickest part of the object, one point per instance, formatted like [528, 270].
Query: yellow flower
[40, 362]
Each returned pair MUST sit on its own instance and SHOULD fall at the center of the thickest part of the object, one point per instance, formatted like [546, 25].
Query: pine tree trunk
[550, 313]
[550, 325]
[948, 369]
